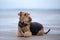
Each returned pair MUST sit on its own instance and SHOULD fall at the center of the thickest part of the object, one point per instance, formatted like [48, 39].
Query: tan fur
[41, 32]
[19, 34]
[24, 17]
[27, 31]
[27, 34]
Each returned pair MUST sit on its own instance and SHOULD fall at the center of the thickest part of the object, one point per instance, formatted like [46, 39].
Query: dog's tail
[47, 31]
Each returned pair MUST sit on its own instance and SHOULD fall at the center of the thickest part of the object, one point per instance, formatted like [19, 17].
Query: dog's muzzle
[22, 24]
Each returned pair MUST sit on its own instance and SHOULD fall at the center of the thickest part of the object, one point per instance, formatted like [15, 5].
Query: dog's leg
[19, 34]
[40, 32]
[27, 32]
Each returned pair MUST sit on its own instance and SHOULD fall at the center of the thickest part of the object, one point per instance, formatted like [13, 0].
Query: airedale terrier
[24, 24]
[28, 28]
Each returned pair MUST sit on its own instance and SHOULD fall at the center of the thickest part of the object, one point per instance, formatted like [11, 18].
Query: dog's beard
[22, 24]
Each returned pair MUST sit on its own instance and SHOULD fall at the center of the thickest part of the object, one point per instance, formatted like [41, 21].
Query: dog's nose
[30, 19]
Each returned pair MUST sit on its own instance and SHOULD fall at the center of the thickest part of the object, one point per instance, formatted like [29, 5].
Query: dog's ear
[20, 13]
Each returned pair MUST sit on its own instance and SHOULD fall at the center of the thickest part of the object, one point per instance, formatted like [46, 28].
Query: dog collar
[22, 24]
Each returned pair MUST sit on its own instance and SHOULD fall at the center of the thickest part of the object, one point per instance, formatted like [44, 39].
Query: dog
[24, 24]
[28, 28]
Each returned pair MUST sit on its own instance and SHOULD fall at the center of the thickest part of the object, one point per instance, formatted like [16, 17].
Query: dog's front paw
[27, 34]
[19, 34]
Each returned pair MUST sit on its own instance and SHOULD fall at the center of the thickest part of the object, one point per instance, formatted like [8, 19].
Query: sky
[29, 4]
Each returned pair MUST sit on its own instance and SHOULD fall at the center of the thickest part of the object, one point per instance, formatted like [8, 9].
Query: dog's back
[35, 27]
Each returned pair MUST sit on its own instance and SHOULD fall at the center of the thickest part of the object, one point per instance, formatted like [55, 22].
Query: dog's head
[25, 17]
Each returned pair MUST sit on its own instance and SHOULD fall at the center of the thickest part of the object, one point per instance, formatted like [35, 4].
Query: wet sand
[49, 19]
